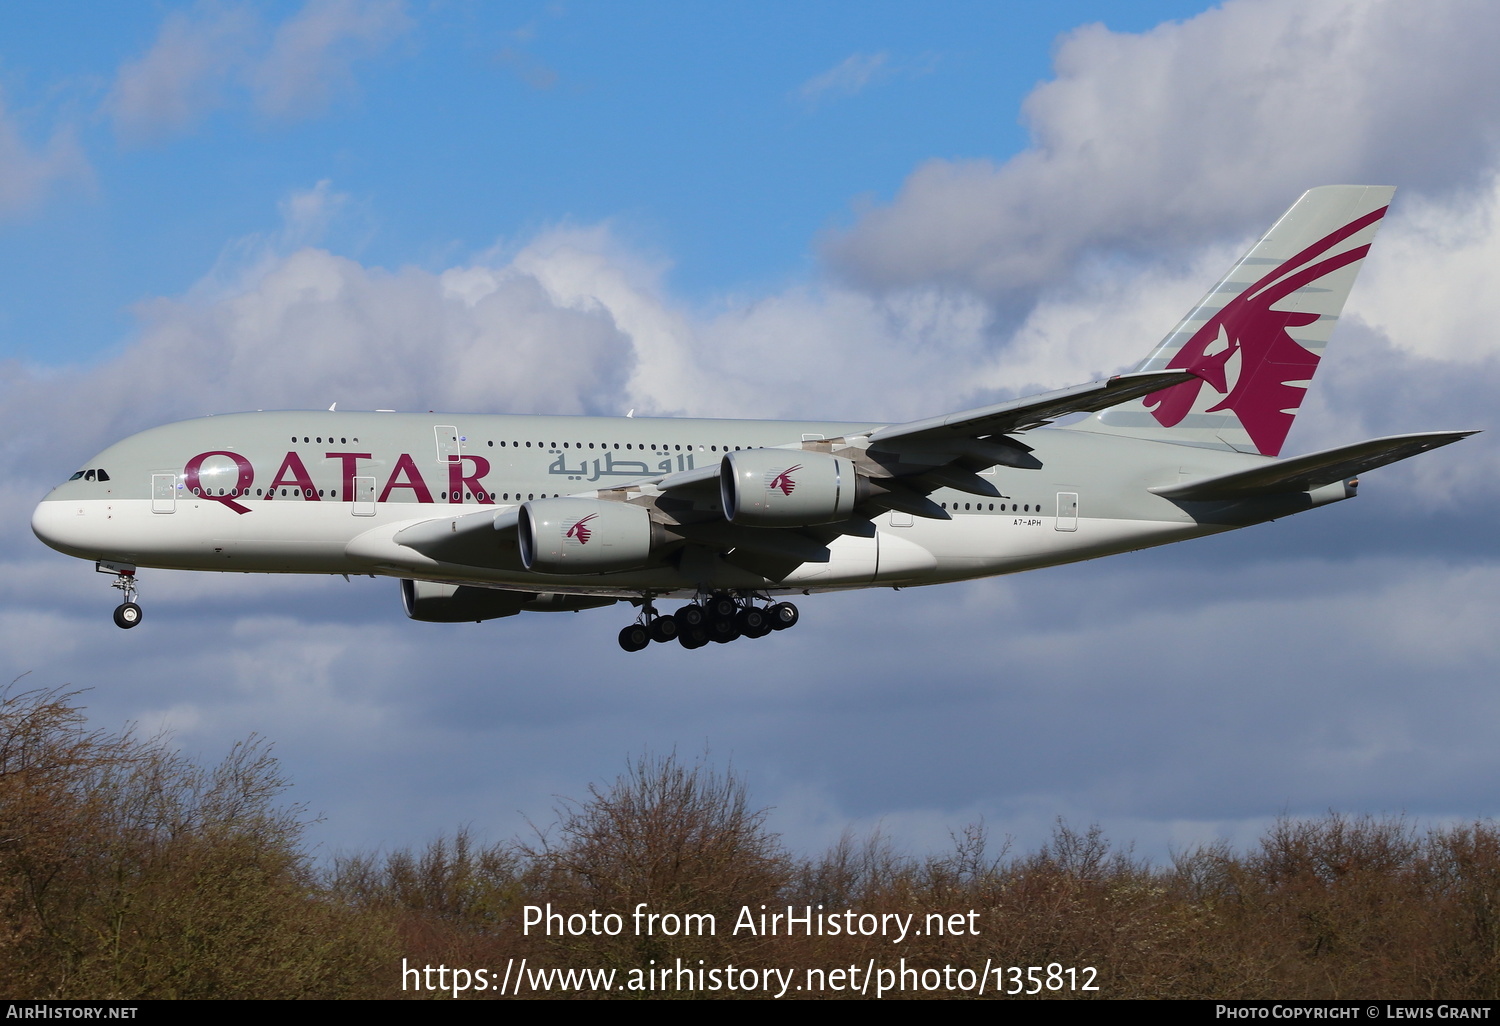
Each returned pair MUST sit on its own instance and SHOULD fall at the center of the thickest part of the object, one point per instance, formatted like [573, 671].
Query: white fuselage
[328, 493]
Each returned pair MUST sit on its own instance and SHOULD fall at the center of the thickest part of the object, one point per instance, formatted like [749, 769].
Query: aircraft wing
[1033, 411]
[952, 436]
[1303, 473]
[900, 464]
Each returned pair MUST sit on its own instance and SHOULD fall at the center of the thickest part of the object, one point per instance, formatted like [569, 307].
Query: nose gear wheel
[127, 613]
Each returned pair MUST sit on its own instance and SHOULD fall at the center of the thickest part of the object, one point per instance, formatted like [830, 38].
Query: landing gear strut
[127, 613]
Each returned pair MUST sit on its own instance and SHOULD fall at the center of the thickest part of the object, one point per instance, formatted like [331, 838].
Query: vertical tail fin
[1256, 338]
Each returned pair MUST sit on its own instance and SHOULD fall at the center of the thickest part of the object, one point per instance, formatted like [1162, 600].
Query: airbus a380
[484, 516]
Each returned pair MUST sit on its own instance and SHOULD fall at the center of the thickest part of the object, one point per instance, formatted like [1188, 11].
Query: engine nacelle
[788, 488]
[584, 536]
[453, 603]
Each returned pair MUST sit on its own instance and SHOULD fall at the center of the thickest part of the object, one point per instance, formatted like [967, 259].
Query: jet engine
[788, 488]
[585, 536]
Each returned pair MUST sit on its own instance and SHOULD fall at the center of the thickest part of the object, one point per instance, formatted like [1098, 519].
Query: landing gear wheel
[723, 629]
[690, 615]
[127, 615]
[722, 606]
[783, 615]
[693, 637]
[753, 623]
[663, 628]
[633, 637]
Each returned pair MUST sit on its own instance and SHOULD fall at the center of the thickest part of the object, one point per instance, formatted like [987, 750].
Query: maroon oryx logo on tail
[581, 532]
[1263, 396]
[783, 481]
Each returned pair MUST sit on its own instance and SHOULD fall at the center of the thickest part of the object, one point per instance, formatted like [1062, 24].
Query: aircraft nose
[62, 525]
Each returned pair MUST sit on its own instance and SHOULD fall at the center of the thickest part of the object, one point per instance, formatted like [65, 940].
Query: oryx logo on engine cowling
[580, 531]
[783, 482]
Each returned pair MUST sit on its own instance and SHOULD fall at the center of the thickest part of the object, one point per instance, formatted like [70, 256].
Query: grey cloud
[1171, 695]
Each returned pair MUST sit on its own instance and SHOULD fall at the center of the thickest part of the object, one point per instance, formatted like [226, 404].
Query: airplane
[485, 516]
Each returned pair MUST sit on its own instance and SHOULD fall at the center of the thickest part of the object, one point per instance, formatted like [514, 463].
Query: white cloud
[1431, 278]
[846, 78]
[306, 214]
[27, 173]
[312, 55]
[206, 58]
[371, 338]
[1191, 130]
[185, 73]
[527, 67]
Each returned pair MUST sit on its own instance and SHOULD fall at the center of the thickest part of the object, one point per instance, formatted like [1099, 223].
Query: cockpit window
[88, 475]
[102, 475]
[76, 476]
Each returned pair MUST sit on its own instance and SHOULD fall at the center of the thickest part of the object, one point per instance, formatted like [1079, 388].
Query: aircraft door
[447, 443]
[1067, 511]
[164, 493]
[364, 497]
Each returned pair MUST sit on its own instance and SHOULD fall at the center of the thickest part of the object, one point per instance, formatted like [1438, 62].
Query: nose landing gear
[127, 613]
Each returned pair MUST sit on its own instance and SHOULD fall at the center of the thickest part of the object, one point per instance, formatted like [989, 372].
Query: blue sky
[722, 137]
[875, 210]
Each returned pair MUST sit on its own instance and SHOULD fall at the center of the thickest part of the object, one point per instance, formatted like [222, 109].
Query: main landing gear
[650, 627]
[127, 613]
[721, 617]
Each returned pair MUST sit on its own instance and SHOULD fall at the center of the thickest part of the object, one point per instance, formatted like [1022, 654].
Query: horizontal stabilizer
[1304, 473]
[1033, 411]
